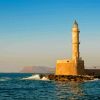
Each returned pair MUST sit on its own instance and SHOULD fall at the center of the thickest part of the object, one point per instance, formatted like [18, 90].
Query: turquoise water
[13, 87]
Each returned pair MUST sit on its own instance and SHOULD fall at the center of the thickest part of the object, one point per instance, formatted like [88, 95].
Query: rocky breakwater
[67, 78]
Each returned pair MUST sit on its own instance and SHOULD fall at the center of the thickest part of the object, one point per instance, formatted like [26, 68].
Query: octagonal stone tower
[74, 66]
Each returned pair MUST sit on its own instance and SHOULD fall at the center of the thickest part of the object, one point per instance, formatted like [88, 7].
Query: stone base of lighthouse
[70, 67]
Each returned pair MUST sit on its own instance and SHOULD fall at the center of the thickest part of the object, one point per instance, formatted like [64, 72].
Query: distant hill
[37, 69]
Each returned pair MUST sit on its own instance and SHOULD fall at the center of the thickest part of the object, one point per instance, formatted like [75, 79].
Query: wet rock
[76, 78]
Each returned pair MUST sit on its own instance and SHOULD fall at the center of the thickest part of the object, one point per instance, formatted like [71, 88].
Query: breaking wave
[95, 79]
[35, 77]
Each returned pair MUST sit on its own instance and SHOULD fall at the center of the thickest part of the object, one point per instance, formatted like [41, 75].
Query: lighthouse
[74, 66]
[75, 41]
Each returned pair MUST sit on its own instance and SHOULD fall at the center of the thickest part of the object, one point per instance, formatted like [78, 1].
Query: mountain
[37, 69]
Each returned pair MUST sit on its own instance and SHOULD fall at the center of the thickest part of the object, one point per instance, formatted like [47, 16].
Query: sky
[38, 32]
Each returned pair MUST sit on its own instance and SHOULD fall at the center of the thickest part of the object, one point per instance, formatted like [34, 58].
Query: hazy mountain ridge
[37, 69]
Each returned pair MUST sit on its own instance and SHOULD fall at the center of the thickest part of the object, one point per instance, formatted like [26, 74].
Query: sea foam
[35, 77]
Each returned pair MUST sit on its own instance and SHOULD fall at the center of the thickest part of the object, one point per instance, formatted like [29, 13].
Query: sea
[28, 86]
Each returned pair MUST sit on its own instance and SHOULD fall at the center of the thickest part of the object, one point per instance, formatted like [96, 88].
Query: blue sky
[38, 32]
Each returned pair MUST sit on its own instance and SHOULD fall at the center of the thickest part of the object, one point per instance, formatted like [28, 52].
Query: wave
[5, 78]
[35, 77]
[95, 79]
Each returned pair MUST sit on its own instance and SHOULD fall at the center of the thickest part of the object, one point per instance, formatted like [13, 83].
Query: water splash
[95, 79]
[44, 78]
[36, 77]
[33, 77]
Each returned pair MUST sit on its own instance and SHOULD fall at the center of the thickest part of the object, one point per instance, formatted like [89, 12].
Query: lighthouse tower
[74, 66]
[75, 41]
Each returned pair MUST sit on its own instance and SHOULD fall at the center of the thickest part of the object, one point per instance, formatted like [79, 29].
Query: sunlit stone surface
[74, 66]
